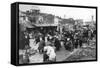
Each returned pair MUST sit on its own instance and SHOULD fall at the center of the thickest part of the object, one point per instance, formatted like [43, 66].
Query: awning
[45, 25]
[28, 24]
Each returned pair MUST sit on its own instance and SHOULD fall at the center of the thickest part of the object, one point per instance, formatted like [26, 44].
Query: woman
[49, 53]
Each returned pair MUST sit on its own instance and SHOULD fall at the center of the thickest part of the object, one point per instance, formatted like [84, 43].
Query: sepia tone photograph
[56, 34]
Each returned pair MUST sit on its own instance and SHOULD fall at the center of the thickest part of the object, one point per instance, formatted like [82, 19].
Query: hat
[68, 39]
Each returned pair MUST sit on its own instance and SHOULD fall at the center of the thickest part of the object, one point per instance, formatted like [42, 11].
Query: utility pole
[92, 17]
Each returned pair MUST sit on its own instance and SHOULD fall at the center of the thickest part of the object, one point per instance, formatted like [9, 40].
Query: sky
[64, 12]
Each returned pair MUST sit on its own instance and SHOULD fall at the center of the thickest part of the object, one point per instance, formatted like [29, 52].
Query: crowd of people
[47, 43]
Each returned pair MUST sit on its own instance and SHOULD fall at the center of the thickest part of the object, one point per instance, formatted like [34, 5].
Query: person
[34, 45]
[22, 40]
[68, 44]
[41, 45]
[75, 40]
[57, 44]
[26, 39]
[45, 56]
[49, 53]
[46, 39]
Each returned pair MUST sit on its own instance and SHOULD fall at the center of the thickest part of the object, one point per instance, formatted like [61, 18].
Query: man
[41, 45]
[49, 54]
[57, 44]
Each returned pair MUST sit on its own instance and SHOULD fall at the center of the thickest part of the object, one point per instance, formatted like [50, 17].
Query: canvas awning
[45, 25]
[27, 24]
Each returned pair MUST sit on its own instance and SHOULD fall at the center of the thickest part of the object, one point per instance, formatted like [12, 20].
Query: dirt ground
[60, 56]
[86, 52]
